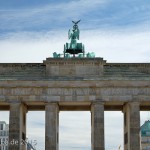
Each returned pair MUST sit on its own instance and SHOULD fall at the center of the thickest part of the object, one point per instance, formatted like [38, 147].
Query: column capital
[15, 102]
[51, 104]
[97, 103]
[132, 103]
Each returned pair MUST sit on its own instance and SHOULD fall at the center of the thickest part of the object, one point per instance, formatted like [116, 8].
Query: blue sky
[118, 31]
[36, 15]
[107, 26]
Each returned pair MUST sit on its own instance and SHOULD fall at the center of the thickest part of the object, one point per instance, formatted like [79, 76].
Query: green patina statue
[74, 34]
[74, 47]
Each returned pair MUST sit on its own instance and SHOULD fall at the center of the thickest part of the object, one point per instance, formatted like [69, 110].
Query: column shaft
[51, 126]
[17, 126]
[131, 126]
[97, 110]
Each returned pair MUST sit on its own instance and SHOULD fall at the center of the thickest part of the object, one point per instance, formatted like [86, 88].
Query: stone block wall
[74, 67]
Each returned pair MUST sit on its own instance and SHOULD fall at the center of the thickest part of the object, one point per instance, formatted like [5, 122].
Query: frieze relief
[125, 91]
[75, 63]
[73, 91]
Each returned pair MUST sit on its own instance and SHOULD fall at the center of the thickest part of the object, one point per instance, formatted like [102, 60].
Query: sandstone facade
[75, 84]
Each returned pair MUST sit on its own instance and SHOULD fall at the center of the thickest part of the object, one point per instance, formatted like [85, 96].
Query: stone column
[131, 126]
[17, 126]
[97, 137]
[51, 126]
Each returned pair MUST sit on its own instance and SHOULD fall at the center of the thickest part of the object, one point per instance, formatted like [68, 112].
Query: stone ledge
[74, 67]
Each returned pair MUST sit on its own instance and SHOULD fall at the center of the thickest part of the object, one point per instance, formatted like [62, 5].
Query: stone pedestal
[17, 126]
[51, 126]
[97, 137]
[131, 126]
[74, 67]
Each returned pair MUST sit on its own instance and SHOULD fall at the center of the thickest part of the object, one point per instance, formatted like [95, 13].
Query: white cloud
[75, 130]
[36, 128]
[4, 116]
[113, 130]
[120, 47]
[112, 46]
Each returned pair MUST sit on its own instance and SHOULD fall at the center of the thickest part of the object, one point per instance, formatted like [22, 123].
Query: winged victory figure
[74, 34]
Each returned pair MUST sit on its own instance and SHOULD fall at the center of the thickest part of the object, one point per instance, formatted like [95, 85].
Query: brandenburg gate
[75, 83]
